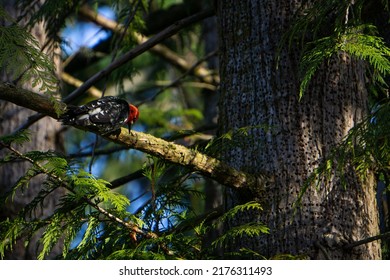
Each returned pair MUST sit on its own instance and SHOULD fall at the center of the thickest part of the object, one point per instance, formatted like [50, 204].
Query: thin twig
[323, 250]
[177, 81]
[95, 143]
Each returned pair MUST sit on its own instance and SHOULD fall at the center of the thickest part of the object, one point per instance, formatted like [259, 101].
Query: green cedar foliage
[53, 12]
[352, 41]
[366, 147]
[21, 57]
[338, 27]
[165, 227]
[347, 27]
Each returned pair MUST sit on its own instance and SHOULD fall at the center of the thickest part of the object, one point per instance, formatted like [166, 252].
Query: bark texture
[298, 134]
[43, 137]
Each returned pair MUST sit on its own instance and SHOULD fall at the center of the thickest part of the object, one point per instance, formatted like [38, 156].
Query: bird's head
[133, 115]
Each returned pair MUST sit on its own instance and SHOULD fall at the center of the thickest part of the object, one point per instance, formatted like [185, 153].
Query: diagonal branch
[383, 236]
[166, 33]
[73, 81]
[169, 151]
[200, 72]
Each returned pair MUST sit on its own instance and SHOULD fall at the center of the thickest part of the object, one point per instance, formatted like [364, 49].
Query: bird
[104, 115]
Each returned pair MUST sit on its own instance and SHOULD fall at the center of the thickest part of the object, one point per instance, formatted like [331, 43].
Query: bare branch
[179, 79]
[73, 81]
[204, 74]
[166, 33]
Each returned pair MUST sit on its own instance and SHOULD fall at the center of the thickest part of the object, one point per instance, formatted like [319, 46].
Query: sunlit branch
[73, 81]
[169, 151]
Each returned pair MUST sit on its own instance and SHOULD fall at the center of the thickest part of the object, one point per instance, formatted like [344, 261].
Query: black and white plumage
[105, 115]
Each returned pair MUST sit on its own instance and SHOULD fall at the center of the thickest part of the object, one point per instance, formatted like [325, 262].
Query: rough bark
[298, 135]
[43, 137]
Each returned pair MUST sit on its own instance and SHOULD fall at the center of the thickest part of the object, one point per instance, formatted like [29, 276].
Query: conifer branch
[30, 100]
[131, 226]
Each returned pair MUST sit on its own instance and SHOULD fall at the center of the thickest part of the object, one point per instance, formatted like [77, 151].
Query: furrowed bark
[302, 134]
[44, 136]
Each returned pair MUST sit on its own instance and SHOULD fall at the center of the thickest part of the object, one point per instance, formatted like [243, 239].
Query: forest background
[263, 130]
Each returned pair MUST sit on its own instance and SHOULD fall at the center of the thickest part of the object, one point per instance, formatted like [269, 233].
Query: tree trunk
[44, 136]
[297, 135]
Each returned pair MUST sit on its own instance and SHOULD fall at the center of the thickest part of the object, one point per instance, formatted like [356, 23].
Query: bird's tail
[70, 116]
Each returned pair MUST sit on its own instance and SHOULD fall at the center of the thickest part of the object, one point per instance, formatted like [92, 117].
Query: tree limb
[169, 151]
[166, 33]
[73, 81]
[200, 72]
[29, 99]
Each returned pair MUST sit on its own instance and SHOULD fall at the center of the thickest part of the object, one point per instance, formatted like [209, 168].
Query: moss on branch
[169, 151]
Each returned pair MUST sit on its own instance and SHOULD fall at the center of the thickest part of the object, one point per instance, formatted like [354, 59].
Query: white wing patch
[83, 117]
[95, 111]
